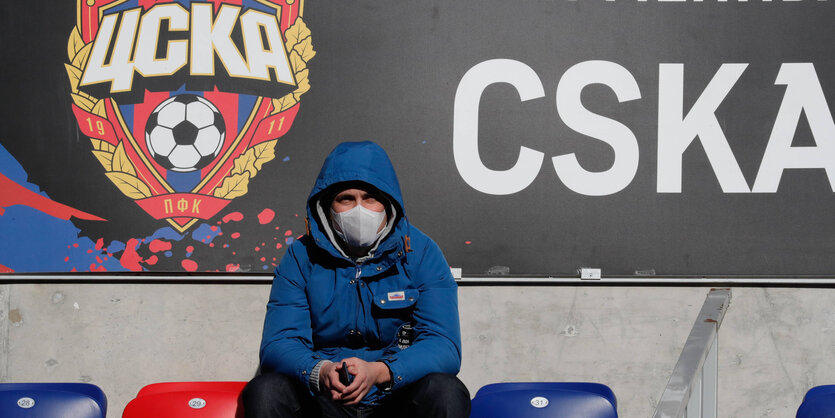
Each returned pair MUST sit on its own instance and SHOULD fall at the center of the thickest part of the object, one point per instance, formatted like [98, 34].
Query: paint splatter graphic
[266, 216]
[47, 240]
[222, 247]
[189, 265]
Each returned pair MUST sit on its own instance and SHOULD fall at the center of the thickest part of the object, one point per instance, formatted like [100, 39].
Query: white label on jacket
[401, 295]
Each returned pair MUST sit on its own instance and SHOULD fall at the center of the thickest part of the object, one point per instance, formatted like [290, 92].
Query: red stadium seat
[187, 399]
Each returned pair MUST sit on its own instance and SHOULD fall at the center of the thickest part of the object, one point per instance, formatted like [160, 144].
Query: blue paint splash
[32, 241]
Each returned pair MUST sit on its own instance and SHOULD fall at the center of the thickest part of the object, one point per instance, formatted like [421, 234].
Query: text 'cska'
[167, 37]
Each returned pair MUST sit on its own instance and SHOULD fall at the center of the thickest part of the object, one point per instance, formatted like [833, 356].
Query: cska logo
[185, 101]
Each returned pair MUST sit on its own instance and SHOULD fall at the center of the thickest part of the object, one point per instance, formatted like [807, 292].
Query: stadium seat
[544, 399]
[187, 399]
[819, 402]
[52, 400]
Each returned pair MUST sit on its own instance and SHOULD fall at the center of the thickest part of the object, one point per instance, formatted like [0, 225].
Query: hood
[363, 162]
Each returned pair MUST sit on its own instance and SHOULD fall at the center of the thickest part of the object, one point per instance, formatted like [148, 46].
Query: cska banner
[150, 88]
[688, 138]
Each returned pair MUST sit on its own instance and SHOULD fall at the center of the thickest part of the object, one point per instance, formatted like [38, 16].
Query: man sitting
[365, 295]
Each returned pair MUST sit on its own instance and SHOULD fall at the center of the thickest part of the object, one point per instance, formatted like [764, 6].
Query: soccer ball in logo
[185, 133]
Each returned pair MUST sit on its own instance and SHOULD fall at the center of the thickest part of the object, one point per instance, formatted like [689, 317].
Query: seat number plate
[197, 403]
[25, 403]
[539, 402]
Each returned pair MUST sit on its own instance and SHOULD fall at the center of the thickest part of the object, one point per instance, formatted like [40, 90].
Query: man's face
[350, 198]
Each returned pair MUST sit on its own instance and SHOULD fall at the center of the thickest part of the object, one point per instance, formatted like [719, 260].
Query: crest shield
[185, 101]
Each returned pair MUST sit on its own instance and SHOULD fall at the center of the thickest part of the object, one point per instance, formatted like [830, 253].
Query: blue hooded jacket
[326, 305]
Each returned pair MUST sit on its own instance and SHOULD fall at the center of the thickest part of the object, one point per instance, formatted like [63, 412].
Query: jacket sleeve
[286, 343]
[437, 344]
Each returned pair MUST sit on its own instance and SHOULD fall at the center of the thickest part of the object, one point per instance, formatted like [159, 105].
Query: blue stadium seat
[52, 400]
[819, 402]
[544, 399]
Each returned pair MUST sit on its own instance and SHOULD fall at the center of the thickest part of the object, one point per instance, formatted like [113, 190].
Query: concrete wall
[775, 343]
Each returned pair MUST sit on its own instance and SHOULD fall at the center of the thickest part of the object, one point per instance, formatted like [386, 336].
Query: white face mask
[358, 226]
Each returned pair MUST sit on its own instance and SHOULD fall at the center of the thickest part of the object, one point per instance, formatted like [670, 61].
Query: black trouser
[438, 395]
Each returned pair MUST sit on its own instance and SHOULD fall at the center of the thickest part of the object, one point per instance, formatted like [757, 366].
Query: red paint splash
[288, 233]
[190, 249]
[234, 216]
[152, 260]
[266, 216]
[189, 265]
[130, 259]
[468, 242]
[4, 269]
[236, 235]
[99, 268]
[99, 244]
[231, 268]
[158, 245]
[15, 194]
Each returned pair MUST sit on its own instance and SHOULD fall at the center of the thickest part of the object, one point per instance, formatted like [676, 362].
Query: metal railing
[693, 387]
[469, 280]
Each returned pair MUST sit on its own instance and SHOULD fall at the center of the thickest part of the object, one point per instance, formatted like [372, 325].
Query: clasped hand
[366, 374]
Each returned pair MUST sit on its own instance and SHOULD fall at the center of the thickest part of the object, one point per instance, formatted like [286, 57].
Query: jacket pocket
[396, 299]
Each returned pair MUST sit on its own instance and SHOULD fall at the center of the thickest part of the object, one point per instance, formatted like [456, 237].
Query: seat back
[164, 387]
[819, 402]
[544, 399]
[187, 399]
[52, 400]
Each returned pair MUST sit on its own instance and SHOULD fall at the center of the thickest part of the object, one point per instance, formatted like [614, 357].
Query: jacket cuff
[397, 378]
[313, 381]
[386, 387]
